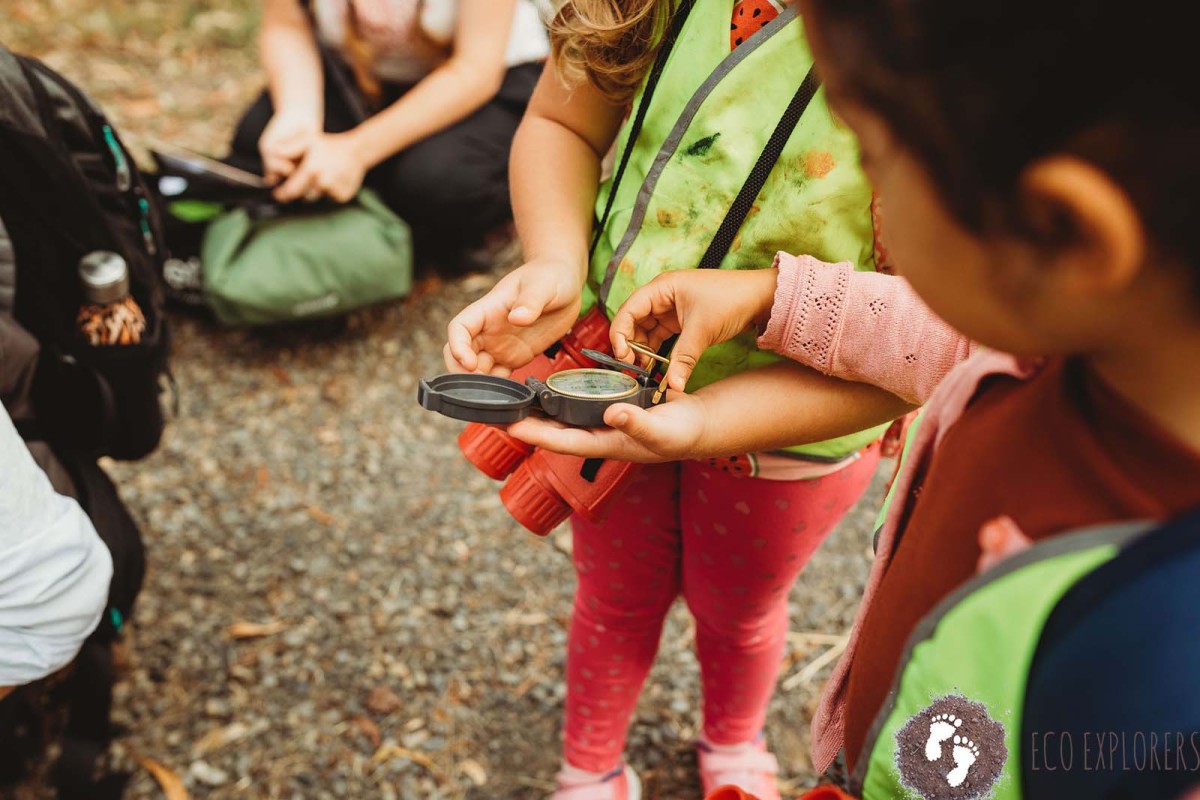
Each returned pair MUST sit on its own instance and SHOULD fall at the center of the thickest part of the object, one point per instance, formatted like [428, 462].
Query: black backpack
[69, 187]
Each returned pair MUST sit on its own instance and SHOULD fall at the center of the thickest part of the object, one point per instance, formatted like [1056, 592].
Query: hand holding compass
[670, 431]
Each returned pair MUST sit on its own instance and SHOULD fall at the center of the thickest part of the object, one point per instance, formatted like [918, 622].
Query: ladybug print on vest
[749, 16]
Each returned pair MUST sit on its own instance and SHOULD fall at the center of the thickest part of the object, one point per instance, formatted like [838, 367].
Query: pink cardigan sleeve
[860, 326]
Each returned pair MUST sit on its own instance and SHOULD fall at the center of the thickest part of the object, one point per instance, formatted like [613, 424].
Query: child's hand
[530, 309]
[705, 307]
[667, 432]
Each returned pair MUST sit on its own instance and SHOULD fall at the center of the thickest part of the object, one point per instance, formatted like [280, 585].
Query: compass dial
[592, 384]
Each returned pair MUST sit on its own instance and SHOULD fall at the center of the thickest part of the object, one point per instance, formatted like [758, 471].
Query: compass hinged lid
[476, 398]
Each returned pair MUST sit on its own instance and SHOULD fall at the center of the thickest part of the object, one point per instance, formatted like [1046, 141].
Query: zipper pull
[147, 234]
[124, 176]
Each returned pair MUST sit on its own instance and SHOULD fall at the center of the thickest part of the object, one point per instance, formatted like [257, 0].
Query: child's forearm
[454, 90]
[445, 96]
[860, 326]
[555, 169]
[292, 62]
[786, 404]
[553, 176]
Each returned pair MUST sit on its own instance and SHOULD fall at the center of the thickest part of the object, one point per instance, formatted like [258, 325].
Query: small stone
[217, 708]
[382, 700]
[208, 774]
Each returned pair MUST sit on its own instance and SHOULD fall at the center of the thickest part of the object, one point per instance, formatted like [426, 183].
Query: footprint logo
[952, 750]
[966, 753]
[940, 729]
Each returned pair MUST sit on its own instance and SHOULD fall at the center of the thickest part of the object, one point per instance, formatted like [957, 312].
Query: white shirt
[527, 39]
[436, 19]
[54, 570]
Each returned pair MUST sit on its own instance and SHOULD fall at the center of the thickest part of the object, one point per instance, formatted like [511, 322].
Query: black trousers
[451, 187]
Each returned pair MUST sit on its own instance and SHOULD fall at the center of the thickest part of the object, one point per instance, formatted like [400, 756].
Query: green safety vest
[980, 642]
[711, 115]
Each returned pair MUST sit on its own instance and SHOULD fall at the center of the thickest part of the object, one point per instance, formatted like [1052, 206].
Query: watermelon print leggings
[733, 547]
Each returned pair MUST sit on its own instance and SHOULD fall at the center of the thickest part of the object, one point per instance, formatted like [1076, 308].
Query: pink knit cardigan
[868, 327]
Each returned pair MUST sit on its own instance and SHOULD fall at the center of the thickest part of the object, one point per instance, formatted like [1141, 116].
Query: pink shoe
[620, 784]
[749, 767]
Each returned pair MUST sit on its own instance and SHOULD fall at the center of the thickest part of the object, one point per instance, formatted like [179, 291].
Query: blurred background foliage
[179, 70]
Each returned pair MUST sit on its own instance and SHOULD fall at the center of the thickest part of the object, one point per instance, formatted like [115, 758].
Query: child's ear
[1089, 221]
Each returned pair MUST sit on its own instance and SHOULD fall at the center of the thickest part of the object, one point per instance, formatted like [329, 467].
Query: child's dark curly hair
[978, 90]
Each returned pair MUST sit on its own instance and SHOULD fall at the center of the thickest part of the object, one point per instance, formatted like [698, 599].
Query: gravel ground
[337, 604]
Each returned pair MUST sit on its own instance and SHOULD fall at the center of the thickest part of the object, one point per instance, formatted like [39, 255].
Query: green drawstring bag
[266, 264]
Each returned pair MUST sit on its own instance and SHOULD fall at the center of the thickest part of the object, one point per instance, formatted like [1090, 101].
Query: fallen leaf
[141, 108]
[320, 516]
[532, 619]
[262, 477]
[336, 391]
[390, 751]
[369, 729]
[427, 286]
[172, 784]
[383, 700]
[524, 686]
[477, 282]
[221, 737]
[474, 771]
[254, 630]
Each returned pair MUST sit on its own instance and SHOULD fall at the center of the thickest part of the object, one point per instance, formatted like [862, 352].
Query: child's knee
[728, 622]
[615, 603]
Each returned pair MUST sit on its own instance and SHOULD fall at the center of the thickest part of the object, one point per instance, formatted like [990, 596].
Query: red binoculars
[543, 488]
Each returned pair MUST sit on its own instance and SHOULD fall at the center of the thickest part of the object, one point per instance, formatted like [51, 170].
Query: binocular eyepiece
[543, 488]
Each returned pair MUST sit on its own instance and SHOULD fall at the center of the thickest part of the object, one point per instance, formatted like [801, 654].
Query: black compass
[573, 397]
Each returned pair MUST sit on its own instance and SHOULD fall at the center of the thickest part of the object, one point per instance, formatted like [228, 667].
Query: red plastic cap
[826, 793]
[730, 793]
[533, 502]
[491, 450]
[591, 331]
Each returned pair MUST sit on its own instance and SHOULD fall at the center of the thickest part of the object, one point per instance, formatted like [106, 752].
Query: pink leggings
[733, 546]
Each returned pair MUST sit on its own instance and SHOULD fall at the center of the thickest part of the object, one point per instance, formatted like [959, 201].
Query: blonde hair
[609, 43]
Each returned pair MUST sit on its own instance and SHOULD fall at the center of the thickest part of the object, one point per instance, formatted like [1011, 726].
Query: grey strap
[671, 144]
